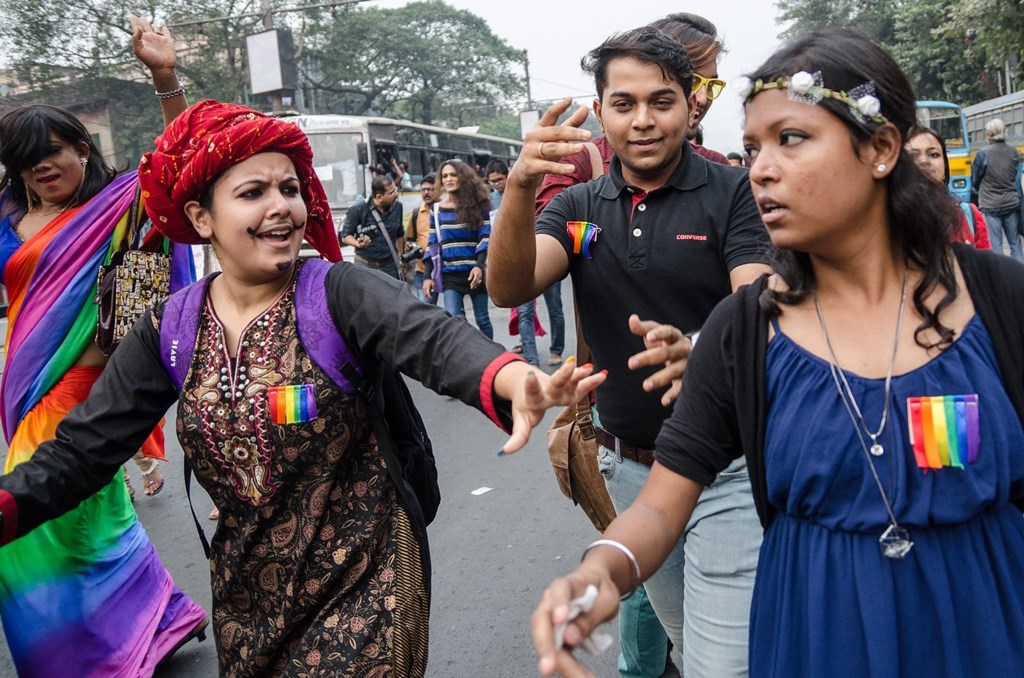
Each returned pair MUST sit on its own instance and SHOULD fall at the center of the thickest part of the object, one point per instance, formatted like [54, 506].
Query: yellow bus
[950, 122]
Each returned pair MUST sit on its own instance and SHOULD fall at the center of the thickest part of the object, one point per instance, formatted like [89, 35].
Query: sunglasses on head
[715, 86]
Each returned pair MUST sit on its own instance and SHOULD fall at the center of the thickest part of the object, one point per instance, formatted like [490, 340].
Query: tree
[994, 29]
[942, 62]
[423, 61]
[95, 66]
[874, 18]
[955, 50]
[418, 61]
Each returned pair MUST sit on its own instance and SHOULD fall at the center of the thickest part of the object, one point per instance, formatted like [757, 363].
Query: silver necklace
[895, 541]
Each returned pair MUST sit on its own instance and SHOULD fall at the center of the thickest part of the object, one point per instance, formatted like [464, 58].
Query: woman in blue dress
[875, 384]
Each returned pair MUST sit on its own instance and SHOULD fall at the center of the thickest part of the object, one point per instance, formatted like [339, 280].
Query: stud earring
[881, 167]
[84, 160]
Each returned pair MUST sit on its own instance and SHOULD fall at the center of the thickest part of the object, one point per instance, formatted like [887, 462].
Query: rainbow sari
[85, 594]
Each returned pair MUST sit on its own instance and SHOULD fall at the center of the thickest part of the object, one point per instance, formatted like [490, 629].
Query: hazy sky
[557, 33]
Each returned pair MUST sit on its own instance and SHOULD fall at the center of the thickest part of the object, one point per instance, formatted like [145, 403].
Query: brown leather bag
[572, 443]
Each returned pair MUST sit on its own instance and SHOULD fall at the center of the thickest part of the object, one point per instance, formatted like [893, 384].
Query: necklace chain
[895, 541]
[845, 391]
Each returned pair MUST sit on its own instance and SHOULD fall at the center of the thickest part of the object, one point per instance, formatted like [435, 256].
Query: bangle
[622, 549]
[180, 92]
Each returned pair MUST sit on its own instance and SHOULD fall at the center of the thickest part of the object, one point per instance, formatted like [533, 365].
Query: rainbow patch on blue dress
[292, 404]
[944, 430]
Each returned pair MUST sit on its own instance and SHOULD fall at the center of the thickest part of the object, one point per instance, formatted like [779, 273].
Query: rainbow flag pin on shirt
[292, 404]
[944, 430]
[583, 233]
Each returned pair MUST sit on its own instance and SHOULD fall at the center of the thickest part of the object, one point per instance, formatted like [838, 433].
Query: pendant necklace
[895, 541]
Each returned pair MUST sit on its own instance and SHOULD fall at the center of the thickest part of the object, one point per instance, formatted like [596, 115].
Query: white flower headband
[810, 89]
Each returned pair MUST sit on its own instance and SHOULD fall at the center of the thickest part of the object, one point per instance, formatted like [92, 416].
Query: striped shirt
[462, 247]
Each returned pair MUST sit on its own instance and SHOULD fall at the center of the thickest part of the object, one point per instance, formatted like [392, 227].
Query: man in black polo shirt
[664, 236]
[367, 222]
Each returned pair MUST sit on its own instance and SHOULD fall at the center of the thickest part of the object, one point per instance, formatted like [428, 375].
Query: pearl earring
[881, 168]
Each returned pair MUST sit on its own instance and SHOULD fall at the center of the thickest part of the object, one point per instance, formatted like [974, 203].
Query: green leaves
[952, 50]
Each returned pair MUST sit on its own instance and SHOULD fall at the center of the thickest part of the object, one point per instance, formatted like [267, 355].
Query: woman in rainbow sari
[85, 594]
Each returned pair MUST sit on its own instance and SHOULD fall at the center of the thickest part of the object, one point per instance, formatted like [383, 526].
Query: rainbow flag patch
[292, 404]
[583, 234]
[944, 430]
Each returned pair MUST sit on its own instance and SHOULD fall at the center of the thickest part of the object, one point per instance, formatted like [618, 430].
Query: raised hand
[153, 47]
[548, 142]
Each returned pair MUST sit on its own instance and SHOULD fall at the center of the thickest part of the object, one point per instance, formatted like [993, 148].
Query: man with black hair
[417, 232]
[368, 223]
[663, 237]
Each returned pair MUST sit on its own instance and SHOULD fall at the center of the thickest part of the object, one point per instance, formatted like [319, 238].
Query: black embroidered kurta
[317, 568]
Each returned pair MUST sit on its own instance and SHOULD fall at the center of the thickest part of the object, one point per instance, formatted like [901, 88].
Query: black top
[361, 219]
[376, 315]
[664, 255]
[722, 411]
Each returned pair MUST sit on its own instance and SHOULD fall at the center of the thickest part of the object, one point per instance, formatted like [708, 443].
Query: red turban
[208, 139]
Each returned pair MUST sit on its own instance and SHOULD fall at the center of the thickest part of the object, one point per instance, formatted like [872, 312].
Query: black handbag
[132, 281]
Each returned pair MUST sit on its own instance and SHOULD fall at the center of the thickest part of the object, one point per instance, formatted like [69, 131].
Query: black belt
[383, 263]
[632, 452]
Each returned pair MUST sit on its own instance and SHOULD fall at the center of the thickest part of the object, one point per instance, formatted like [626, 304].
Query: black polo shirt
[664, 255]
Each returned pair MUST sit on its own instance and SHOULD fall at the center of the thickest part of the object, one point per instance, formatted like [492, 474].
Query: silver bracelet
[173, 93]
[622, 549]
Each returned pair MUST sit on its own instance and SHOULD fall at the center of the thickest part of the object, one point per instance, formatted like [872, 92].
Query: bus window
[946, 123]
[336, 160]
[414, 158]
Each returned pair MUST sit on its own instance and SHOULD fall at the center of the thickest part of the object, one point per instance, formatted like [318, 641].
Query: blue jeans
[527, 336]
[712, 568]
[417, 282]
[455, 304]
[1006, 222]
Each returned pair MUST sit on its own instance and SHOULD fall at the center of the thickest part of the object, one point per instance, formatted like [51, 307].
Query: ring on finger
[540, 151]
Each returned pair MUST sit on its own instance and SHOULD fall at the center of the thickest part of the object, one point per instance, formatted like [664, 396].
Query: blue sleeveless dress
[826, 601]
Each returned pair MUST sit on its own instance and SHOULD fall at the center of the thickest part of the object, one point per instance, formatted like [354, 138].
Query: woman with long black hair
[875, 385]
[460, 226]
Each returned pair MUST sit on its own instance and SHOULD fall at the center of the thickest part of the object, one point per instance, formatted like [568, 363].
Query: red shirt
[980, 236]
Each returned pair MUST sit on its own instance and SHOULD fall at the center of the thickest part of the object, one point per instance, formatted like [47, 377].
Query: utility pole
[276, 104]
[526, 66]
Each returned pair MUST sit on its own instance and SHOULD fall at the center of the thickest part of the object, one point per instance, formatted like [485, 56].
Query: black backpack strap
[188, 493]
[371, 387]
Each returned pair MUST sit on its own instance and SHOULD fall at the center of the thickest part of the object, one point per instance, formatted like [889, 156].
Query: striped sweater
[462, 247]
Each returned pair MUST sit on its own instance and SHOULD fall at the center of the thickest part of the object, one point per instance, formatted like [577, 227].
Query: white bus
[1009, 108]
[347, 148]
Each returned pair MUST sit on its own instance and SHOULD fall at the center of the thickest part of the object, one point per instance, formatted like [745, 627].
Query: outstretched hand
[547, 143]
[154, 47]
[553, 612]
[534, 392]
[663, 345]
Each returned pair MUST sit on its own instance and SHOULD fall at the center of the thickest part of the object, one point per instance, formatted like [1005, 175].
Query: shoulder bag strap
[188, 493]
[965, 207]
[583, 417]
[387, 239]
